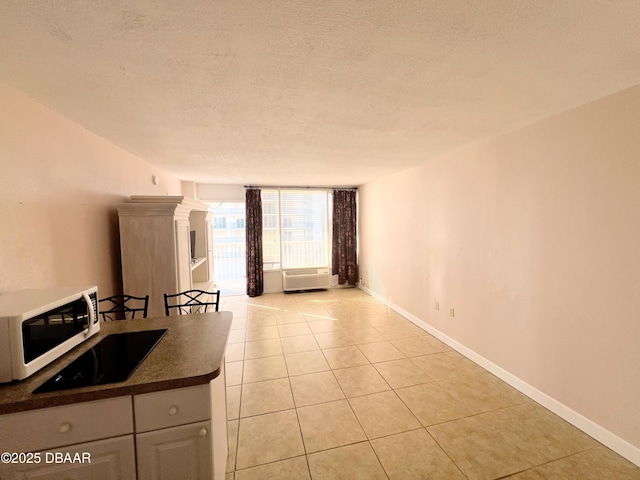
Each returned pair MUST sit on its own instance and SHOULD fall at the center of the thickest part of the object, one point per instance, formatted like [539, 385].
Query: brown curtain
[344, 258]
[253, 227]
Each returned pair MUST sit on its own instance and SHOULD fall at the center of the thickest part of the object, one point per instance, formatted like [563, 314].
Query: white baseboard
[601, 434]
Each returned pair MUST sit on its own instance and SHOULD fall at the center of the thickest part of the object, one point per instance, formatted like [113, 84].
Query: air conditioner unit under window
[306, 279]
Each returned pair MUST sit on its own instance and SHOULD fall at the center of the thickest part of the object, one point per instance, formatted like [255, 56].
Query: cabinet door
[180, 453]
[208, 232]
[183, 256]
[111, 459]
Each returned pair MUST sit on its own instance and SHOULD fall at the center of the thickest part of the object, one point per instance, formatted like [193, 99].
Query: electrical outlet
[451, 312]
[437, 305]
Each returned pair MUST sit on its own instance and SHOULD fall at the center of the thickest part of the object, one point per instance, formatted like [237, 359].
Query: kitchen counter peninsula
[190, 353]
[167, 420]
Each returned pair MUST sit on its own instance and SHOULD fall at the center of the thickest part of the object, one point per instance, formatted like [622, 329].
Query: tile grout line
[437, 381]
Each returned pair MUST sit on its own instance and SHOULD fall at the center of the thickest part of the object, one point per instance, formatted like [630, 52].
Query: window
[296, 228]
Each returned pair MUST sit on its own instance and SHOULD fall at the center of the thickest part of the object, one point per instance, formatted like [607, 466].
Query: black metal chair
[122, 307]
[192, 301]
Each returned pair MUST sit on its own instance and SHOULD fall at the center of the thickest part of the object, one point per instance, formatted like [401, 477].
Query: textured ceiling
[309, 92]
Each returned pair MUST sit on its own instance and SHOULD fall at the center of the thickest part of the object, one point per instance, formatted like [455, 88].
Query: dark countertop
[191, 353]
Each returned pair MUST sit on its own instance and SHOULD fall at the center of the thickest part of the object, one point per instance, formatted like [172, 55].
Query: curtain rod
[300, 188]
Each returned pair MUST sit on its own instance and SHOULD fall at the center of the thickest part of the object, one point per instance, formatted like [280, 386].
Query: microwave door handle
[92, 315]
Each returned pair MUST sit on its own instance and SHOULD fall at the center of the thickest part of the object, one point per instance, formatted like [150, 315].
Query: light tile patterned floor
[333, 385]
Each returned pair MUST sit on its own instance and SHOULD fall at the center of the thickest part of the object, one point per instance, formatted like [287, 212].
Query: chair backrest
[191, 301]
[122, 307]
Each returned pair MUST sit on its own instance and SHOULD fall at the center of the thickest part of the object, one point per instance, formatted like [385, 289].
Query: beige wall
[221, 193]
[59, 188]
[534, 239]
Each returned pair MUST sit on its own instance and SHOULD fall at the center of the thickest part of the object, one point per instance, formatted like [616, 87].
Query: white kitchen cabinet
[155, 247]
[176, 453]
[178, 433]
[173, 434]
[48, 428]
[110, 459]
[98, 436]
[170, 408]
[182, 433]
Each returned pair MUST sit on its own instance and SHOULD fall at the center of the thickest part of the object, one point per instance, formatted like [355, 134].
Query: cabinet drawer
[171, 407]
[67, 425]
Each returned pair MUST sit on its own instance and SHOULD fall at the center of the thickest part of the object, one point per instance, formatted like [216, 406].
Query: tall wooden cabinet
[155, 247]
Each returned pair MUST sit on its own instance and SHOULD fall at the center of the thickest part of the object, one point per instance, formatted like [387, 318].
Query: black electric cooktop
[112, 360]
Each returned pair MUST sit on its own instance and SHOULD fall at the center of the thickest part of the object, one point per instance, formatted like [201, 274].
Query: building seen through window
[229, 243]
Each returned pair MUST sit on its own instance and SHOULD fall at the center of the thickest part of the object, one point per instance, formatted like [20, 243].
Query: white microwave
[38, 326]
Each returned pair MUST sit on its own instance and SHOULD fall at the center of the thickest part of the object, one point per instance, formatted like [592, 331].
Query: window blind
[296, 228]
